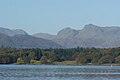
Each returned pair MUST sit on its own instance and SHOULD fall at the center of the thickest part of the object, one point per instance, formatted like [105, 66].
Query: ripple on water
[56, 72]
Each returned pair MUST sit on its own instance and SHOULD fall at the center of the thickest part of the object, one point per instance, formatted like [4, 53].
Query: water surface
[58, 72]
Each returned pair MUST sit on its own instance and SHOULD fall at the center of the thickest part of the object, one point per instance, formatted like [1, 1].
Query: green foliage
[95, 61]
[7, 58]
[45, 56]
[26, 60]
[81, 59]
[106, 59]
[32, 55]
[20, 61]
[117, 59]
[34, 62]
[43, 60]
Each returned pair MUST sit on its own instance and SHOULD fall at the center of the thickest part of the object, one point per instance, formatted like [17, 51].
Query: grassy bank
[111, 64]
[65, 63]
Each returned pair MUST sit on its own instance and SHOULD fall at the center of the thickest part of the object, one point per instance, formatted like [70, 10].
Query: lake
[58, 72]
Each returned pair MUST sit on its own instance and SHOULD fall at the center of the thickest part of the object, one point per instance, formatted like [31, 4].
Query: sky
[50, 16]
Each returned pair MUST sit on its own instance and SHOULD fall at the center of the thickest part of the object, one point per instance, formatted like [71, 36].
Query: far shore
[73, 63]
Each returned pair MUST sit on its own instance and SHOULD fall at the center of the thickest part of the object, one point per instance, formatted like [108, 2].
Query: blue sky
[50, 16]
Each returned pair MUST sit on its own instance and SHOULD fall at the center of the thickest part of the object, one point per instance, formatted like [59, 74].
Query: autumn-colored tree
[43, 60]
[117, 59]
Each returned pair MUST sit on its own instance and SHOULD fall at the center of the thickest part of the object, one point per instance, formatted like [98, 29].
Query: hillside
[21, 39]
[90, 36]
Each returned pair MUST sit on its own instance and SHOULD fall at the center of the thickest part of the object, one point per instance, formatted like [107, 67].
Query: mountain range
[90, 36]
[20, 39]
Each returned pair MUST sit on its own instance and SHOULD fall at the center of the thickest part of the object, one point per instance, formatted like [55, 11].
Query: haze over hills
[90, 36]
[20, 39]
[12, 32]
[45, 36]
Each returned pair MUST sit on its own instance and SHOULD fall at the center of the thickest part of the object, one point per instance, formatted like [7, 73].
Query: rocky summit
[90, 36]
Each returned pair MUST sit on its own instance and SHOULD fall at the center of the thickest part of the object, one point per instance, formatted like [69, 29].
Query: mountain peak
[12, 32]
[44, 36]
[19, 31]
[91, 26]
[67, 28]
[67, 32]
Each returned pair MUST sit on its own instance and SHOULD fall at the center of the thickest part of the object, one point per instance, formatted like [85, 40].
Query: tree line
[49, 56]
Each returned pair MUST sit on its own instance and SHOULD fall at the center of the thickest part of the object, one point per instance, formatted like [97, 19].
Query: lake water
[58, 72]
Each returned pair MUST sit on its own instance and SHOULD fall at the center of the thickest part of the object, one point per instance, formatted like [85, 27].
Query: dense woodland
[49, 56]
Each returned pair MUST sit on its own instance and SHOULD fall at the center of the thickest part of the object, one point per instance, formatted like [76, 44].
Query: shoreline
[69, 64]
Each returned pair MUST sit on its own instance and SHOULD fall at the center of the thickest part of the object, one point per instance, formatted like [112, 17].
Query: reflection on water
[58, 72]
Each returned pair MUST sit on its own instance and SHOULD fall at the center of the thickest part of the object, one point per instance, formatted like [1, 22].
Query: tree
[20, 61]
[26, 60]
[106, 59]
[95, 61]
[81, 59]
[43, 60]
[117, 59]
[32, 55]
